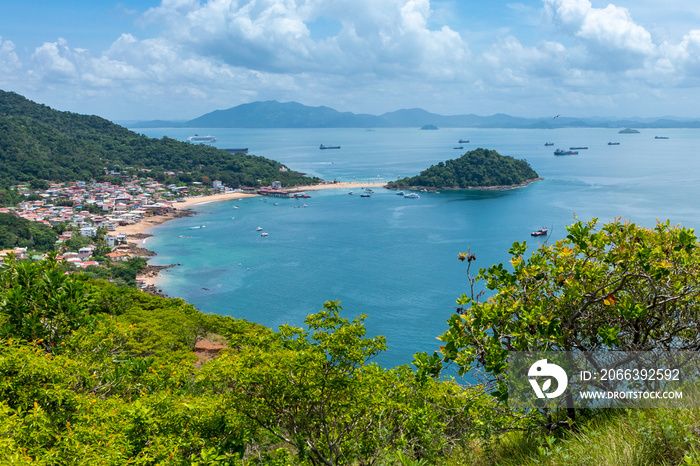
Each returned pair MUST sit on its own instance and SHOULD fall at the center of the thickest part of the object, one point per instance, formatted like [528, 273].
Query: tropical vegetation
[94, 373]
[476, 168]
[38, 144]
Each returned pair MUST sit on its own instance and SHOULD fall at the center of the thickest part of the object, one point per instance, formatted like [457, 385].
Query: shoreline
[471, 188]
[141, 230]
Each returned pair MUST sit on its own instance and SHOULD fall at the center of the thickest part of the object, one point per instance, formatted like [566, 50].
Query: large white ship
[198, 138]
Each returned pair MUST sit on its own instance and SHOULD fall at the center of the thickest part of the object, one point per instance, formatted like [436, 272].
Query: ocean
[395, 259]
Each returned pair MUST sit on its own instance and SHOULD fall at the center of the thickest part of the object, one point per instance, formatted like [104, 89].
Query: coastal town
[119, 215]
[100, 210]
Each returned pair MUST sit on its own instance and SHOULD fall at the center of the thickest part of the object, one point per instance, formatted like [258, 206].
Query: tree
[38, 302]
[619, 287]
[315, 391]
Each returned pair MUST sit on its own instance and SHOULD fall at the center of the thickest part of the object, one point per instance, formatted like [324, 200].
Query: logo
[544, 369]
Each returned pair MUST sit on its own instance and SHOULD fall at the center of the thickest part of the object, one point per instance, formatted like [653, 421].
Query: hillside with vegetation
[39, 143]
[91, 373]
[476, 168]
[17, 232]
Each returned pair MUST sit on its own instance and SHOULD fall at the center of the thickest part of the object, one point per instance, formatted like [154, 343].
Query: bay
[395, 259]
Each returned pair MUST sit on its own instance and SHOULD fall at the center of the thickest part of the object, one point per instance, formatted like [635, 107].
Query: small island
[477, 169]
[628, 131]
[429, 127]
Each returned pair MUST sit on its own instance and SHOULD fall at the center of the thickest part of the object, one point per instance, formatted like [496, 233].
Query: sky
[179, 59]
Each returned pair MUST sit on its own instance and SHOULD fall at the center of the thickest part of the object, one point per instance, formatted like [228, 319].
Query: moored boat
[328, 147]
[660, 137]
[411, 196]
[548, 143]
[613, 143]
[565, 152]
[198, 138]
[541, 232]
[577, 148]
[464, 141]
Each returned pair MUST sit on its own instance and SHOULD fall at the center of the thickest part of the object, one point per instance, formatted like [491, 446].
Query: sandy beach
[138, 232]
[143, 226]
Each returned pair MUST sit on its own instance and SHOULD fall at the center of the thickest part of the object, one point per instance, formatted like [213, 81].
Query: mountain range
[273, 114]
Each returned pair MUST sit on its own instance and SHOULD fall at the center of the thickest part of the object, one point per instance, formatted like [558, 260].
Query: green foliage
[40, 303]
[477, 168]
[313, 390]
[618, 287]
[17, 232]
[38, 143]
[115, 383]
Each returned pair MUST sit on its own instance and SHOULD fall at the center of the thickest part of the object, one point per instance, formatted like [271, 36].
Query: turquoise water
[395, 259]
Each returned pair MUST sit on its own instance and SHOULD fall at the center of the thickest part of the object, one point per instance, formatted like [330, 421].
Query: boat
[351, 192]
[423, 190]
[328, 147]
[458, 147]
[365, 195]
[541, 232]
[660, 137]
[263, 234]
[258, 229]
[411, 196]
[463, 141]
[613, 143]
[198, 138]
[577, 148]
[237, 151]
[301, 196]
[565, 152]
[548, 143]
[367, 190]
[400, 193]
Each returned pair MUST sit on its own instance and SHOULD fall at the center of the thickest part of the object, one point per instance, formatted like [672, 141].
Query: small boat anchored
[548, 144]
[613, 143]
[464, 141]
[565, 152]
[411, 196]
[541, 232]
[328, 147]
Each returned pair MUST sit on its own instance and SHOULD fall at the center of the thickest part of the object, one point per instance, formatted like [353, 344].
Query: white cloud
[8, 57]
[55, 61]
[376, 56]
[613, 38]
[390, 37]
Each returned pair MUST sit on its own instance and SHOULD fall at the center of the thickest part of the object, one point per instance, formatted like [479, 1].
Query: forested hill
[477, 168]
[37, 142]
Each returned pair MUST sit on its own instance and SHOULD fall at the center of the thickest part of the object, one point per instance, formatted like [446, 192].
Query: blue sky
[179, 59]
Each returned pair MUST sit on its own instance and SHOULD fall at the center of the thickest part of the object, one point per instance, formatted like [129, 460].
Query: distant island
[429, 127]
[480, 168]
[273, 114]
[628, 131]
